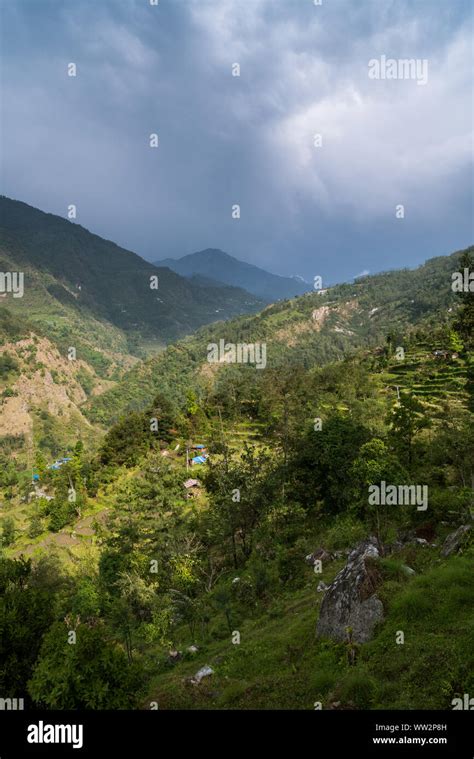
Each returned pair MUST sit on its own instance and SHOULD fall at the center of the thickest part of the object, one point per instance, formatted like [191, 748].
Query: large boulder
[455, 540]
[350, 600]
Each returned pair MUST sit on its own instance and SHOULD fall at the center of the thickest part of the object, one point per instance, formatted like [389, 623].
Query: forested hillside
[74, 329]
[313, 329]
[192, 554]
[80, 287]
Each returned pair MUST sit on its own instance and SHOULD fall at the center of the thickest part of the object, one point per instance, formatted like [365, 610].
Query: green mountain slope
[280, 664]
[205, 593]
[79, 277]
[313, 329]
[233, 589]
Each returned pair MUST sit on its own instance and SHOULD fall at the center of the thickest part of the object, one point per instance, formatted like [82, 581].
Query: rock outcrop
[454, 541]
[350, 600]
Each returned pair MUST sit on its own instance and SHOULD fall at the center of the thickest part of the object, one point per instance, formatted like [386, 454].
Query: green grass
[280, 664]
[436, 662]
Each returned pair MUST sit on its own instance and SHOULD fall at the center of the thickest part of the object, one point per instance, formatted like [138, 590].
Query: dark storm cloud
[247, 139]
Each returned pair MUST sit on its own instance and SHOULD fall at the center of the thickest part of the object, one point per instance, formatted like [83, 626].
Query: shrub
[345, 532]
[359, 689]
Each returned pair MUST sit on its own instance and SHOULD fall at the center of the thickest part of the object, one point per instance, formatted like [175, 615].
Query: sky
[387, 184]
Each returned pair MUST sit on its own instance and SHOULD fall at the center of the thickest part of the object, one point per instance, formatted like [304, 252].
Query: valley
[187, 520]
[236, 375]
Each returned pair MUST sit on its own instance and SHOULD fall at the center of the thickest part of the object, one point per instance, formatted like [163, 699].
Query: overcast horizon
[327, 205]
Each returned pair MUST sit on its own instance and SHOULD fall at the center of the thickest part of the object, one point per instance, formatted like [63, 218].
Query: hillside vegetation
[104, 296]
[207, 594]
[310, 330]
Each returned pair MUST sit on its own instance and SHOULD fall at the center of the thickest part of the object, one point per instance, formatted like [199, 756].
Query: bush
[36, 526]
[92, 674]
[7, 364]
[8, 531]
[359, 689]
[9, 393]
[345, 532]
[61, 513]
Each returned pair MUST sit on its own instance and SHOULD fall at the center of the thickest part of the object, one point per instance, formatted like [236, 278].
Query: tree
[374, 463]
[28, 602]
[40, 463]
[69, 492]
[455, 342]
[8, 531]
[61, 512]
[240, 495]
[454, 448]
[92, 673]
[36, 526]
[407, 419]
[321, 466]
[127, 441]
[465, 318]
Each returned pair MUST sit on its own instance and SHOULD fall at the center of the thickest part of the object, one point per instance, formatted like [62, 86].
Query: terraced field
[432, 378]
[238, 435]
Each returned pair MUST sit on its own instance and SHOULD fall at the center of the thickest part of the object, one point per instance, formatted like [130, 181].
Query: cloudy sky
[325, 210]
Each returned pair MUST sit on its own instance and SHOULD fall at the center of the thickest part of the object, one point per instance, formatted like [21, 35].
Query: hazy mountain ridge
[221, 267]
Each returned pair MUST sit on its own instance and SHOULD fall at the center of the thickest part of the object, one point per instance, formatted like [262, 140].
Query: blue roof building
[199, 460]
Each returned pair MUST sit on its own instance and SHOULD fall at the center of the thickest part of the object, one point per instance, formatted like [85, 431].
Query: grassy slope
[280, 664]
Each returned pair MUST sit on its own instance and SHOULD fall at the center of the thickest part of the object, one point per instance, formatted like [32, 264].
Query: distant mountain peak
[221, 267]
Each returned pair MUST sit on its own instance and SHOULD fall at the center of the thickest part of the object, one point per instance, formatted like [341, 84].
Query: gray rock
[350, 600]
[322, 587]
[319, 555]
[421, 542]
[201, 674]
[453, 542]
